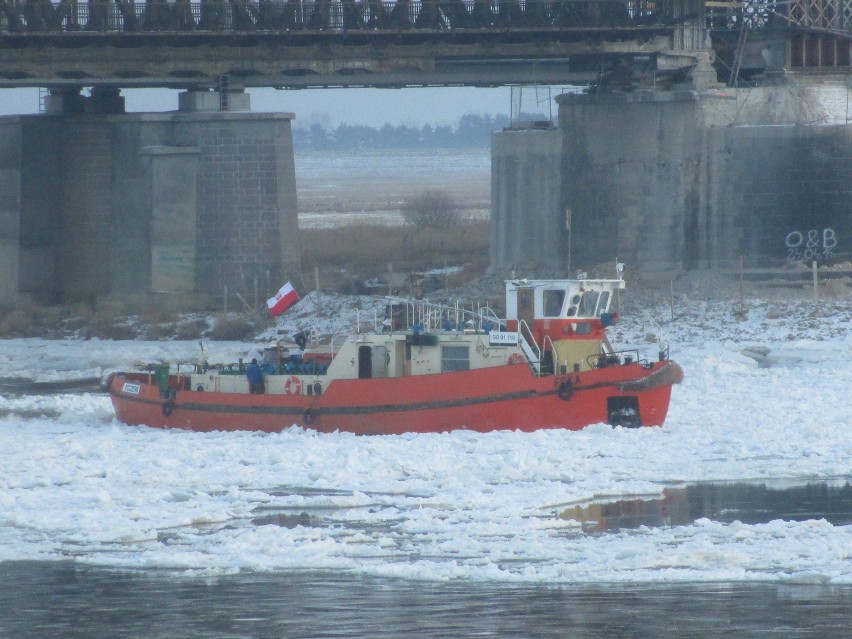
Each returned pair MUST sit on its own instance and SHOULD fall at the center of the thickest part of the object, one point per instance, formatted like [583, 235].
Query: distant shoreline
[380, 181]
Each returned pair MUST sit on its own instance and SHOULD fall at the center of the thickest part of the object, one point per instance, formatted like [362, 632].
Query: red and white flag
[284, 299]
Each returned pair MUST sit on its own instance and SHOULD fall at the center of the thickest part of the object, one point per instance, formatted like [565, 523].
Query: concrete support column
[105, 99]
[67, 100]
[630, 176]
[526, 226]
[10, 209]
[85, 242]
[174, 184]
[148, 208]
[201, 100]
[64, 100]
[681, 180]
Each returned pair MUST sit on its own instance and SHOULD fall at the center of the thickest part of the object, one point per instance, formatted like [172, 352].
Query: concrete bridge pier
[525, 222]
[151, 208]
[674, 181]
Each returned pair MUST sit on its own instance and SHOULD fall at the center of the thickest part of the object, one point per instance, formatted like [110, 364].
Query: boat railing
[337, 340]
[367, 321]
[617, 358]
[545, 343]
[423, 315]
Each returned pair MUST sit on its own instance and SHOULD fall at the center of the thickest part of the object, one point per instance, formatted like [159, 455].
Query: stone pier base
[165, 208]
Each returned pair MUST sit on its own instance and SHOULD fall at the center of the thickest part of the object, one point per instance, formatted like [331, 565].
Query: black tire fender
[565, 390]
[168, 407]
[309, 416]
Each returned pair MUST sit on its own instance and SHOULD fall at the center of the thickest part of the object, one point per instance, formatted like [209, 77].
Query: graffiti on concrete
[814, 244]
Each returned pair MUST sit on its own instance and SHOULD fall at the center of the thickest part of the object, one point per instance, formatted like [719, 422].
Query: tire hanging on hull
[565, 390]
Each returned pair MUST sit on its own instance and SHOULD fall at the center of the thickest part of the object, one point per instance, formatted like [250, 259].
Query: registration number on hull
[502, 338]
[129, 387]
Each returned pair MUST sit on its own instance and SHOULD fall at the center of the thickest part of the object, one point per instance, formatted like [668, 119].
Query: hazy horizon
[331, 107]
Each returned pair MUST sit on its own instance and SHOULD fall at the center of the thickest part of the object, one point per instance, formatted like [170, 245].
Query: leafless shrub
[431, 209]
[367, 250]
[28, 320]
[193, 329]
[118, 332]
[17, 323]
[231, 328]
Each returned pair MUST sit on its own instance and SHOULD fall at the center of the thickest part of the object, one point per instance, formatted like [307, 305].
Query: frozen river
[109, 530]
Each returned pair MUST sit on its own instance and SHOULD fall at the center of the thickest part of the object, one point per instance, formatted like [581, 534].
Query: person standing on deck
[255, 378]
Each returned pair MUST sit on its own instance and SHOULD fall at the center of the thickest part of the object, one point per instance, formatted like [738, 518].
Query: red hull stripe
[214, 408]
[357, 410]
[336, 410]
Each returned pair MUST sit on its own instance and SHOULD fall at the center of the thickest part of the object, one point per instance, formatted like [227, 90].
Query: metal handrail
[535, 367]
[432, 315]
[329, 16]
[544, 344]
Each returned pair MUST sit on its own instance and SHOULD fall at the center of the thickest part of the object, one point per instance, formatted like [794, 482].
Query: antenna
[540, 95]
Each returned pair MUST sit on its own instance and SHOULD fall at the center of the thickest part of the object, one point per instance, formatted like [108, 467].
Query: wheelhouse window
[572, 308]
[583, 328]
[588, 304]
[455, 358]
[553, 303]
[603, 302]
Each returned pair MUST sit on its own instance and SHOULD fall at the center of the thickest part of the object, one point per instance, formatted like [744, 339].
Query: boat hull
[506, 397]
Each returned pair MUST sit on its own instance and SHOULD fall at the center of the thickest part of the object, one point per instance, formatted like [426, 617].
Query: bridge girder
[323, 60]
[304, 43]
[388, 43]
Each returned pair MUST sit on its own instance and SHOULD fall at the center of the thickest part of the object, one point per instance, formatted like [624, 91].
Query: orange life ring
[515, 358]
[293, 386]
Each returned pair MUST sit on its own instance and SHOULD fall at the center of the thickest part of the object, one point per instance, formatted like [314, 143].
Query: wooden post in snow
[742, 277]
[317, 287]
[816, 286]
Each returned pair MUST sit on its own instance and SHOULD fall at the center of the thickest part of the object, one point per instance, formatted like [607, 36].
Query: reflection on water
[749, 503]
[44, 599]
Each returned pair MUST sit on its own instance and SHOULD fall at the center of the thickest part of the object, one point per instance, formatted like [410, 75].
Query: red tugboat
[427, 369]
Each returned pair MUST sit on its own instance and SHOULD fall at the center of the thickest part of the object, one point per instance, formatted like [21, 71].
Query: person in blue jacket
[255, 378]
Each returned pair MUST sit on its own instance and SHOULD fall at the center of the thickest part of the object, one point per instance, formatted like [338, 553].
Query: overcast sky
[330, 107]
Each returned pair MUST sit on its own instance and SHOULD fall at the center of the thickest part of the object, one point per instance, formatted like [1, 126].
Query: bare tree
[432, 208]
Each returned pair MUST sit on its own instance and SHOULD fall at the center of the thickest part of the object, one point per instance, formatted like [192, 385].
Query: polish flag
[284, 299]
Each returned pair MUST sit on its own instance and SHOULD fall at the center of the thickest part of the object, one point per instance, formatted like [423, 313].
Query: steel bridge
[305, 43]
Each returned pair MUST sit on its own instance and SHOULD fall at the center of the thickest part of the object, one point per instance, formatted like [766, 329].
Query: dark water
[40, 599]
[749, 503]
[66, 599]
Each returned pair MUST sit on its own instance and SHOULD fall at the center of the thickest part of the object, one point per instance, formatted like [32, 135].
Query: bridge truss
[817, 34]
[300, 43]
